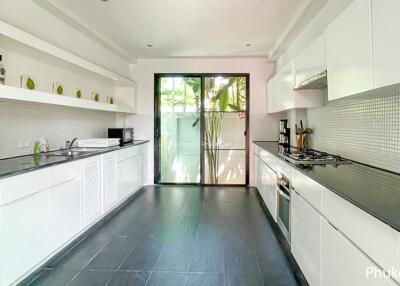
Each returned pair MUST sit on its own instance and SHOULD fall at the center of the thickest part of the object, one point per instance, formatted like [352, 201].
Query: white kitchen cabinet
[282, 97]
[137, 172]
[342, 263]
[91, 190]
[349, 51]
[65, 201]
[271, 94]
[267, 186]
[311, 61]
[284, 92]
[109, 168]
[377, 239]
[309, 189]
[129, 176]
[25, 238]
[386, 43]
[305, 238]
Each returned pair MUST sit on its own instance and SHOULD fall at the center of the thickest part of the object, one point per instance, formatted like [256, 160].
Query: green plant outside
[221, 95]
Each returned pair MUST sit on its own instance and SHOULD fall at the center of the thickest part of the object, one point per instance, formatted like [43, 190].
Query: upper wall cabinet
[311, 62]
[349, 51]
[282, 96]
[386, 45]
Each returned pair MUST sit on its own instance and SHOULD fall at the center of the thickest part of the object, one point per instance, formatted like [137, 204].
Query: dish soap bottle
[45, 146]
[2, 71]
[36, 148]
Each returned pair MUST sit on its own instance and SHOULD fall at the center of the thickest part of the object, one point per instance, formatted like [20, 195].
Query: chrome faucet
[69, 144]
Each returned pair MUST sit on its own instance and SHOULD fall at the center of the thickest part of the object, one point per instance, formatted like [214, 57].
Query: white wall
[30, 17]
[262, 126]
[24, 123]
[28, 122]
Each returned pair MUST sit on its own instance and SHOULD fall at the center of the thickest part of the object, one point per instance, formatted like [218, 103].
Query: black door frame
[157, 124]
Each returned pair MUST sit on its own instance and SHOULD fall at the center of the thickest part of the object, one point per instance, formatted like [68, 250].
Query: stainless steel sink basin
[85, 149]
[68, 153]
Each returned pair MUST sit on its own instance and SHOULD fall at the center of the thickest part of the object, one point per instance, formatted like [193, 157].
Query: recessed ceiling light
[149, 45]
[248, 45]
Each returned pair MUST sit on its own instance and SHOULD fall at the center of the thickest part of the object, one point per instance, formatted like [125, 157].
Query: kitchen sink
[79, 151]
[67, 153]
[86, 149]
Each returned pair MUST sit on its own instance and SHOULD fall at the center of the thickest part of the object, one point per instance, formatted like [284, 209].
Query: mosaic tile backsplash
[364, 128]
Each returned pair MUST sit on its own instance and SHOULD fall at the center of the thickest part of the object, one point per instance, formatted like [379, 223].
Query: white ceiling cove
[189, 28]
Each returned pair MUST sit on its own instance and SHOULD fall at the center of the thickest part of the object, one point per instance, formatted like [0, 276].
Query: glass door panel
[179, 105]
[224, 131]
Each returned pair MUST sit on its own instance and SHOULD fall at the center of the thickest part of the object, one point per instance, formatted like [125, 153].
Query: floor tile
[92, 278]
[127, 278]
[142, 258]
[219, 235]
[55, 277]
[167, 279]
[113, 254]
[204, 279]
[252, 279]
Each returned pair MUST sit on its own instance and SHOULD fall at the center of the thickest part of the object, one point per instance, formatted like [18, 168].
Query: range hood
[319, 81]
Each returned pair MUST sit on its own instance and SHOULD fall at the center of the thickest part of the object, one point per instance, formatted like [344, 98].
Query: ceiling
[189, 28]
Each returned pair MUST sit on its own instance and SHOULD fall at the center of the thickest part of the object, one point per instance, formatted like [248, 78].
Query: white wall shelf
[11, 93]
[32, 41]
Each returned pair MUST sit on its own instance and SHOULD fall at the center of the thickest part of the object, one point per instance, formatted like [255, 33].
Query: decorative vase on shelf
[78, 93]
[28, 82]
[110, 100]
[58, 88]
[95, 96]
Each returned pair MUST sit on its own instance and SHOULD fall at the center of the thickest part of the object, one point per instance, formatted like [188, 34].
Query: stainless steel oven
[283, 188]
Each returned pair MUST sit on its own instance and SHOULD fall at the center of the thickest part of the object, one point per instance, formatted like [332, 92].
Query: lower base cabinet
[65, 215]
[129, 176]
[25, 235]
[266, 185]
[342, 263]
[91, 190]
[305, 238]
[52, 206]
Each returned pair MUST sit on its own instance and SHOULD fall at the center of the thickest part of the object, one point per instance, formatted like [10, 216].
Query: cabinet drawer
[344, 264]
[310, 190]
[17, 187]
[65, 172]
[273, 162]
[378, 240]
[305, 238]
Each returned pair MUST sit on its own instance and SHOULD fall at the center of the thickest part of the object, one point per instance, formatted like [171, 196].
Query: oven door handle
[284, 195]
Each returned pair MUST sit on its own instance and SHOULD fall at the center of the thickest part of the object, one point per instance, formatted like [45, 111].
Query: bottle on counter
[36, 148]
[44, 147]
[2, 71]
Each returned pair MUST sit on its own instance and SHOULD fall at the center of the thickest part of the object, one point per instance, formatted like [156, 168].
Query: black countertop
[375, 191]
[23, 164]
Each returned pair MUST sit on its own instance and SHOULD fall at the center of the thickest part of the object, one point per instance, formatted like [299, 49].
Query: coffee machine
[284, 136]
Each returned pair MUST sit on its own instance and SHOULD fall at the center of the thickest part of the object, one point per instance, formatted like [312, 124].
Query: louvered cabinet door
[91, 190]
[110, 194]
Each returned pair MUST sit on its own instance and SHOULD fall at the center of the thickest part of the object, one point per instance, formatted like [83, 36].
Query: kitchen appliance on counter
[98, 142]
[284, 188]
[284, 135]
[313, 157]
[125, 135]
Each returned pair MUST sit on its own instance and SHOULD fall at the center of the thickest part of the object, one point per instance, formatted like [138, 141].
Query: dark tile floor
[178, 235]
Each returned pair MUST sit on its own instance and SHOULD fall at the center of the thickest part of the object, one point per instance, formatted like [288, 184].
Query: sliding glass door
[200, 129]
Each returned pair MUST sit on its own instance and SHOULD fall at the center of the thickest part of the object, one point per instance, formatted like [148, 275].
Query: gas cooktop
[312, 157]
